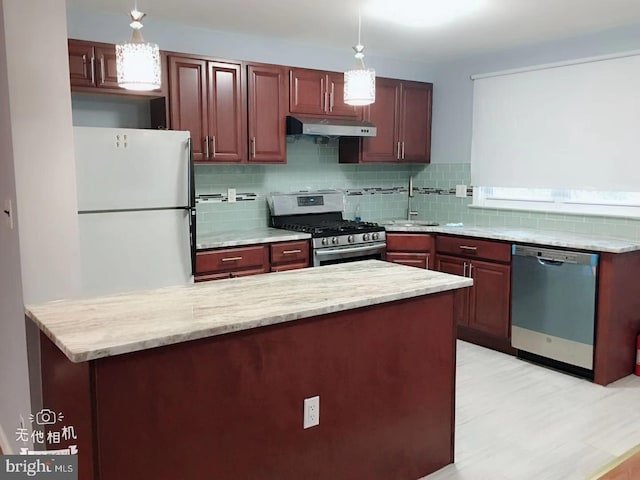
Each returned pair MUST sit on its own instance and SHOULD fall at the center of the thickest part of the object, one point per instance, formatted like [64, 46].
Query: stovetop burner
[331, 227]
[320, 214]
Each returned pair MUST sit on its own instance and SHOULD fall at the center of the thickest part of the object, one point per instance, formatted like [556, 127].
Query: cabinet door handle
[398, 154]
[471, 270]
[427, 263]
[464, 270]
[333, 90]
[467, 248]
[402, 150]
[253, 147]
[231, 259]
[326, 101]
[93, 69]
[213, 145]
[101, 69]
[206, 146]
[291, 252]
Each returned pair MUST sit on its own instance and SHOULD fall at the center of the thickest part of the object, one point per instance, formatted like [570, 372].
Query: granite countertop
[233, 238]
[105, 326]
[595, 243]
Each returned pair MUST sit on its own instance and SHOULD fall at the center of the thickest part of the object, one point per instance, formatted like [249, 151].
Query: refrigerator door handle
[192, 207]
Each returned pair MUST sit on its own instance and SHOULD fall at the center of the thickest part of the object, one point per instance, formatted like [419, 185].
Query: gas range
[320, 214]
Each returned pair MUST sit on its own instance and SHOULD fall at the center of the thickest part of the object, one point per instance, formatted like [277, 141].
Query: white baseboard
[4, 443]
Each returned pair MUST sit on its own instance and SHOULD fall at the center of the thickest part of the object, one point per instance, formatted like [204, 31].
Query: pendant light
[359, 82]
[137, 61]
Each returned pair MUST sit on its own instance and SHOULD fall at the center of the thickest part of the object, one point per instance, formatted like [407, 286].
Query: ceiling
[487, 25]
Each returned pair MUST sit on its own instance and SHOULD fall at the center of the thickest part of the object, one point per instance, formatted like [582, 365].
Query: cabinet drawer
[228, 259]
[419, 260]
[409, 242]
[474, 248]
[289, 266]
[290, 252]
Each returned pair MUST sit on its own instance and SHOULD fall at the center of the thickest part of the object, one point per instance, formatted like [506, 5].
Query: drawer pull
[291, 252]
[470, 249]
[231, 259]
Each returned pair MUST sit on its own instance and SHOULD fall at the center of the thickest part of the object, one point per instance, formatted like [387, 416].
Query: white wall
[37, 158]
[453, 88]
[14, 393]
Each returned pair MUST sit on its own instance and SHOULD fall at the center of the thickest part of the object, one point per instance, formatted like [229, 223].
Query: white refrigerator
[136, 208]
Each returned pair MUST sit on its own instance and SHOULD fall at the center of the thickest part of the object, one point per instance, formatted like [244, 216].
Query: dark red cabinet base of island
[230, 407]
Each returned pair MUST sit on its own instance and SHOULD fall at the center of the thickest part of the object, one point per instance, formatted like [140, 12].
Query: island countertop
[88, 329]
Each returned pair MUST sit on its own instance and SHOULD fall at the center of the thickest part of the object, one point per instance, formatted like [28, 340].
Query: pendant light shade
[359, 82]
[137, 61]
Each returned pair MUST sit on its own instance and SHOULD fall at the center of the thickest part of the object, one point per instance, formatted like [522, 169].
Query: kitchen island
[208, 380]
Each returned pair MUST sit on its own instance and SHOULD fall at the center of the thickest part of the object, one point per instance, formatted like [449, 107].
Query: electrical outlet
[461, 191]
[311, 412]
[231, 195]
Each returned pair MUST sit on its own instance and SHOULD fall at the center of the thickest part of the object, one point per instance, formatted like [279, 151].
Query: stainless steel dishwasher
[553, 302]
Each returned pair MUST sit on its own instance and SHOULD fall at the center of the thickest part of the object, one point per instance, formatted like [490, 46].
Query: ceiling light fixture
[423, 14]
[137, 61]
[359, 82]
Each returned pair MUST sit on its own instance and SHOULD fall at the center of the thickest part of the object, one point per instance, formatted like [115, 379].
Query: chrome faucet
[410, 213]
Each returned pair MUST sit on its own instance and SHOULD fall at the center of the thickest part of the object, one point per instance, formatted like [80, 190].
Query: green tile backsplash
[310, 166]
[313, 166]
[448, 208]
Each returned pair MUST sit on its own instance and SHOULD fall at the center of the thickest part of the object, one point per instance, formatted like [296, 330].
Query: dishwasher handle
[549, 256]
[550, 262]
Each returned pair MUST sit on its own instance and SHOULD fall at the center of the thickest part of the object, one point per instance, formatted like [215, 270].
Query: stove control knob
[350, 239]
[374, 236]
[325, 241]
[334, 240]
[365, 237]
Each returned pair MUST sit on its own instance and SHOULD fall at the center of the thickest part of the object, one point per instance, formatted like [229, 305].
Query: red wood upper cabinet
[402, 116]
[81, 64]
[415, 122]
[206, 98]
[92, 68]
[315, 92]
[384, 113]
[92, 64]
[267, 111]
[335, 86]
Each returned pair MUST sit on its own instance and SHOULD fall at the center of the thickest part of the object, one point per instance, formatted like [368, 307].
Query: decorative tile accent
[223, 197]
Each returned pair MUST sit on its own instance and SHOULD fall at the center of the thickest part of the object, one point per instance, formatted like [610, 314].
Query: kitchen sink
[410, 223]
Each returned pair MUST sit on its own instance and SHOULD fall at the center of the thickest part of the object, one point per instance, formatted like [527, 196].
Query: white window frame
[560, 201]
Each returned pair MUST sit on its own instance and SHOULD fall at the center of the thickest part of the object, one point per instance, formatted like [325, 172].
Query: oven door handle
[367, 249]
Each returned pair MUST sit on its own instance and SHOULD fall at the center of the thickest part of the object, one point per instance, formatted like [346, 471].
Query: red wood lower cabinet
[231, 407]
[482, 312]
[457, 266]
[490, 298]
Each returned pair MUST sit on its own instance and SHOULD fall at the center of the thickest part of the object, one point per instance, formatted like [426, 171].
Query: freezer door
[120, 169]
[123, 251]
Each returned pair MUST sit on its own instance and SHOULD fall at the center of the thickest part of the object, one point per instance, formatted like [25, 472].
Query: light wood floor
[517, 421]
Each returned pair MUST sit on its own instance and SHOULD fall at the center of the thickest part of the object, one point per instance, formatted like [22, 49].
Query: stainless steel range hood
[330, 127]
